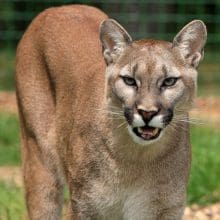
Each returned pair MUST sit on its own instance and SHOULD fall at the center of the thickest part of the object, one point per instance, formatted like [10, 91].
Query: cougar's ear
[191, 41]
[114, 39]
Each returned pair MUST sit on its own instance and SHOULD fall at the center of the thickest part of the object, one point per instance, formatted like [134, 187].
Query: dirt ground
[8, 102]
[207, 110]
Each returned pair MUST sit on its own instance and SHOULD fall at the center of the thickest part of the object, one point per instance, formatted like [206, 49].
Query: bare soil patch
[208, 110]
[11, 174]
[8, 102]
[196, 212]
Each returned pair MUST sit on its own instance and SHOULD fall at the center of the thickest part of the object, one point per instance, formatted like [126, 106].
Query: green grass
[9, 140]
[12, 206]
[12, 203]
[7, 66]
[204, 184]
[209, 79]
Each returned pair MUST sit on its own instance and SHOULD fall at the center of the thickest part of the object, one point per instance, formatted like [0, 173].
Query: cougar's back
[59, 51]
[59, 64]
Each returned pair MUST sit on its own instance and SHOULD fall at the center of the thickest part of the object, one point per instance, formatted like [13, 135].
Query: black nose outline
[168, 117]
[147, 115]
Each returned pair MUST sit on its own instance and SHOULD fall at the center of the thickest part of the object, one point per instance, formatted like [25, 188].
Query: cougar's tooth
[140, 130]
[155, 131]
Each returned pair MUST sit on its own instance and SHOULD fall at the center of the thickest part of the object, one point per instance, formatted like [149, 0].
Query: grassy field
[7, 63]
[12, 206]
[9, 140]
[204, 185]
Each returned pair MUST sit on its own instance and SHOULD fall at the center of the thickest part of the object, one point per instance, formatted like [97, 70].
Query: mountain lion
[115, 127]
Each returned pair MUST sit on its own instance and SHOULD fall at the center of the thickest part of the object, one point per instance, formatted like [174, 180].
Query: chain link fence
[160, 19]
[143, 18]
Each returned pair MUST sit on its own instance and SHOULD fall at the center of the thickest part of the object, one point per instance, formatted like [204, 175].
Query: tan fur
[66, 106]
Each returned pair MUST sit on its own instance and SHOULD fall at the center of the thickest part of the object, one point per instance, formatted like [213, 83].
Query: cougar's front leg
[43, 187]
[82, 208]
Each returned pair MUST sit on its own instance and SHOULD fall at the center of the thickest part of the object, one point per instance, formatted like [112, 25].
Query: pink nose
[147, 115]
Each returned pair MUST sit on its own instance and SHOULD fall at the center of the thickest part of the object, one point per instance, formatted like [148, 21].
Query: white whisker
[123, 123]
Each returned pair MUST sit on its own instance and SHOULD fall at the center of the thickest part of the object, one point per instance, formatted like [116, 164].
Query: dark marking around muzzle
[128, 113]
[168, 116]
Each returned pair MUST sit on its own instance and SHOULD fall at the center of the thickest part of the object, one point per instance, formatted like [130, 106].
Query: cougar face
[154, 82]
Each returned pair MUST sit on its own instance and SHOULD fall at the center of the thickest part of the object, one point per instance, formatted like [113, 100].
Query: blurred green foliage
[12, 206]
[7, 65]
[204, 185]
[9, 140]
[208, 75]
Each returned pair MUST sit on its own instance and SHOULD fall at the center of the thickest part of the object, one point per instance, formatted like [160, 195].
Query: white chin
[140, 140]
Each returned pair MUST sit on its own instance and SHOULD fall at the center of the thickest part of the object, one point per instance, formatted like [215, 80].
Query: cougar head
[152, 81]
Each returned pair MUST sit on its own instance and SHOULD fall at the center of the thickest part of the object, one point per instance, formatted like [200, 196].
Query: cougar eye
[129, 81]
[170, 81]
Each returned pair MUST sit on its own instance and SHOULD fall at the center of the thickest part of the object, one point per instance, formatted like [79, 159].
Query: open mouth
[147, 132]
